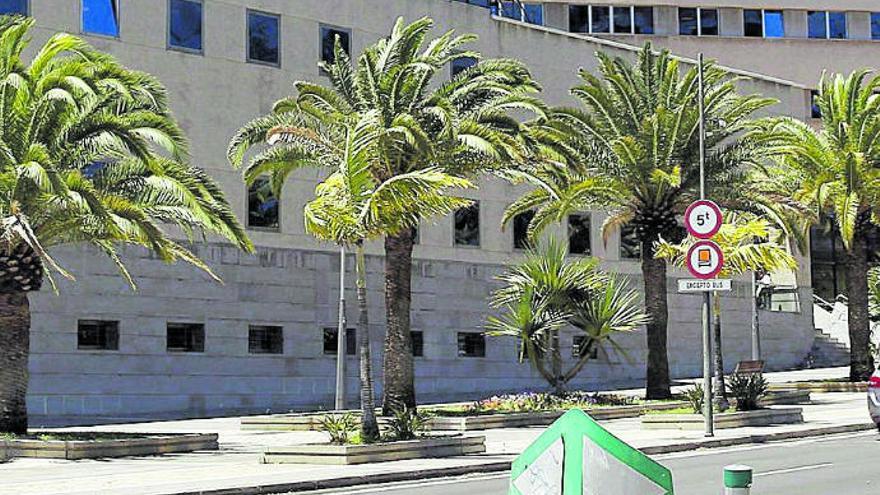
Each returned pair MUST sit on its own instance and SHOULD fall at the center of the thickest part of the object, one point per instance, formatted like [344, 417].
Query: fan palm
[459, 127]
[835, 171]
[89, 153]
[749, 244]
[636, 151]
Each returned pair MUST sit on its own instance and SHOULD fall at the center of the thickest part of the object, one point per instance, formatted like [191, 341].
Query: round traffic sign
[705, 260]
[703, 219]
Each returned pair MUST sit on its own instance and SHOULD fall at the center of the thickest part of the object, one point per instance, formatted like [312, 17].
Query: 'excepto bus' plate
[696, 285]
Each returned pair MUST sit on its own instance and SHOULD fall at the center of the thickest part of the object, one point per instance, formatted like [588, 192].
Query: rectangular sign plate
[711, 285]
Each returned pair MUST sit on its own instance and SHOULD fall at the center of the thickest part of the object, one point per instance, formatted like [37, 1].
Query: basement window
[330, 340]
[185, 337]
[471, 344]
[265, 340]
[97, 335]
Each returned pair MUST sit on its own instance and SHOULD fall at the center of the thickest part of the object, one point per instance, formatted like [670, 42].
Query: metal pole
[737, 480]
[756, 329]
[340, 336]
[707, 311]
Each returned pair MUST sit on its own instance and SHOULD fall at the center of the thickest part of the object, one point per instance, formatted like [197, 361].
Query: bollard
[737, 480]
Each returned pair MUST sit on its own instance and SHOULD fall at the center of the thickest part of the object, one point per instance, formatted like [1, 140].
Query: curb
[501, 466]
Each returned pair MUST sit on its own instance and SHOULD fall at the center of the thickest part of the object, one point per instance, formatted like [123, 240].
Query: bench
[749, 368]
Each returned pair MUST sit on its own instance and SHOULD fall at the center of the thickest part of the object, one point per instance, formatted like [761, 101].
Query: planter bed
[761, 417]
[785, 397]
[310, 421]
[92, 448]
[377, 452]
[821, 387]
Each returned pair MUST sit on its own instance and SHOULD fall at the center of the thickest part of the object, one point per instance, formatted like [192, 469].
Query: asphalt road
[840, 465]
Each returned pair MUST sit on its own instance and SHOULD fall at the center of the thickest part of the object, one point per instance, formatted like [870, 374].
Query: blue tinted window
[773, 24]
[644, 20]
[533, 13]
[837, 25]
[875, 25]
[460, 64]
[263, 209]
[14, 7]
[601, 19]
[816, 24]
[328, 43]
[185, 24]
[622, 20]
[510, 10]
[263, 31]
[815, 111]
[100, 17]
[687, 22]
[708, 22]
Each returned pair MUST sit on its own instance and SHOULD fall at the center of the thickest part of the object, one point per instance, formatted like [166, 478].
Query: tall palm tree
[461, 126]
[749, 244]
[638, 147]
[835, 171]
[89, 153]
[350, 207]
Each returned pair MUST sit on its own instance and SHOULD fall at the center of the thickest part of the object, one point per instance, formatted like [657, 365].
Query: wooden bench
[749, 368]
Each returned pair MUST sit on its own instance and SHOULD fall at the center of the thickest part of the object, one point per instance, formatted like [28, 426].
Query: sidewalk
[237, 466]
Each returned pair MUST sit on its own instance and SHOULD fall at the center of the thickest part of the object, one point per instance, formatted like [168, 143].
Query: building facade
[264, 340]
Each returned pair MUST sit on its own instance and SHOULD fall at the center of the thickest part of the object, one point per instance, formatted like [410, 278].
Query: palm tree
[350, 208]
[545, 293]
[89, 153]
[835, 171]
[749, 244]
[460, 127]
[637, 149]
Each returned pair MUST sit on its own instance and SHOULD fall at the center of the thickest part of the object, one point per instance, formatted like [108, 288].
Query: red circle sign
[703, 219]
[705, 260]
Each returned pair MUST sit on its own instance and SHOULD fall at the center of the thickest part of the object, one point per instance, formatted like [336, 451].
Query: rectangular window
[697, 22]
[100, 17]
[817, 24]
[753, 23]
[600, 19]
[708, 22]
[418, 343]
[579, 18]
[185, 337]
[623, 20]
[263, 206]
[265, 340]
[263, 31]
[533, 13]
[630, 247]
[467, 225]
[837, 25]
[461, 64]
[579, 234]
[644, 20]
[330, 341]
[471, 344]
[97, 335]
[687, 22]
[774, 25]
[185, 24]
[14, 7]
[579, 348]
[329, 35]
[521, 229]
[875, 25]
[815, 111]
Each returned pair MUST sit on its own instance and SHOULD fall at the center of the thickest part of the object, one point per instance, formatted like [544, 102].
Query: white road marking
[795, 469]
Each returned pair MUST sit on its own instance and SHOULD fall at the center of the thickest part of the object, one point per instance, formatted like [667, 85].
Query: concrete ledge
[93, 449]
[821, 387]
[762, 417]
[786, 397]
[378, 452]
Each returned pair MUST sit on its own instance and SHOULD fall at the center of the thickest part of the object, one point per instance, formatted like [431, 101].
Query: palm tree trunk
[15, 323]
[654, 274]
[399, 392]
[556, 359]
[369, 425]
[718, 380]
[861, 361]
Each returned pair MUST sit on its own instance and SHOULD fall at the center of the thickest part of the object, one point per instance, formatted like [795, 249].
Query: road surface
[839, 465]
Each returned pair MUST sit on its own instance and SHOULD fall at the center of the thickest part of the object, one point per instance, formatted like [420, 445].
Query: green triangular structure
[576, 456]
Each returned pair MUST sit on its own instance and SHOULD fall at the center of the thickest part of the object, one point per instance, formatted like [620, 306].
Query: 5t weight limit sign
[703, 219]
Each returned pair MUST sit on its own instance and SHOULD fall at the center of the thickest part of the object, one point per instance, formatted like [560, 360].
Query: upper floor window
[331, 339]
[185, 337]
[875, 25]
[185, 24]
[12, 7]
[763, 23]
[263, 31]
[826, 25]
[697, 22]
[263, 206]
[100, 17]
[467, 225]
[598, 19]
[643, 20]
[461, 64]
[521, 229]
[579, 18]
[478, 3]
[329, 35]
[526, 12]
[97, 335]
[579, 234]
[265, 340]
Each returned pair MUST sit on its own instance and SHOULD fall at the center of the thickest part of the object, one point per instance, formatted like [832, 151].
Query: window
[418, 343]
[521, 229]
[697, 22]
[329, 34]
[824, 25]
[467, 225]
[644, 20]
[416, 235]
[600, 19]
[185, 24]
[100, 17]
[774, 26]
[330, 341]
[580, 347]
[630, 247]
[687, 22]
[815, 111]
[837, 25]
[263, 34]
[10, 7]
[875, 25]
[526, 12]
[623, 20]
[185, 337]
[471, 344]
[263, 206]
[265, 340]
[708, 22]
[753, 25]
[763, 23]
[579, 18]
[579, 234]
[461, 64]
[478, 3]
[97, 335]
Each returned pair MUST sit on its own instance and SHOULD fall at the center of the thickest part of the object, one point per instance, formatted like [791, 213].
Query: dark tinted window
[467, 225]
[263, 35]
[601, 19]
[644, 20]
[708, 22]
[622, 20]
[185, 24]
[817, 24]
[687, 22]
[100, 17]
[330, 341]
[418, 343]
[630, 247]
[328, 42]
[19, 7]
[875, 25]
[579, 234]
[265, 340]
[579, 18]
[753, 24]
[185, 337]
[471, 344]
[263, 206]
[815, 112]
[837, 25]
[97, 335]
[460, 64]
[510, 10]
[580, 347]
[521, 229]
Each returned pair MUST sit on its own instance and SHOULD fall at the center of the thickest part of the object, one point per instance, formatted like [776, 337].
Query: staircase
[827, 352]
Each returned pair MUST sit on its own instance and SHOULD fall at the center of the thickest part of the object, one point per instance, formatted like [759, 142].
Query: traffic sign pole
[707, 335]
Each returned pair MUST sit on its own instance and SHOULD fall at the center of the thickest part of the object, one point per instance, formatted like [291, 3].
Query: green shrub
[748, 390]
[695, 397]
[407, 424]
[339, 427]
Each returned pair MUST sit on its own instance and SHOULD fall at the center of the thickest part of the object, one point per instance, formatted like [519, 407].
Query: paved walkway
[237, 463]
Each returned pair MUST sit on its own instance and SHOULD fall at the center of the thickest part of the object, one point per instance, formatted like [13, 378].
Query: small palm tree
[834, 171]
[545, 293]
[749, 244]
[635, 151]
[89, 153]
